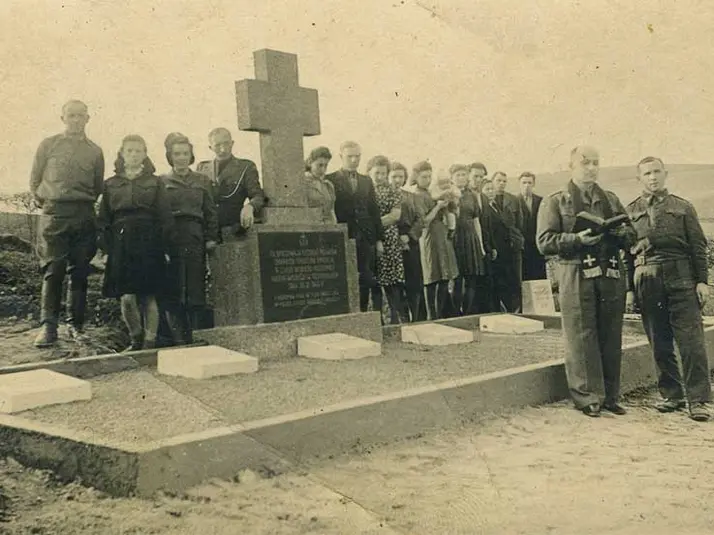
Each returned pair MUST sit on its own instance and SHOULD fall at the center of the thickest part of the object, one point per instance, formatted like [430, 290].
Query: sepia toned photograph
[356, 268]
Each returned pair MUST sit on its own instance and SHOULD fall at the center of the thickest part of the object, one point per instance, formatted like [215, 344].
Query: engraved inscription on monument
[304, 275]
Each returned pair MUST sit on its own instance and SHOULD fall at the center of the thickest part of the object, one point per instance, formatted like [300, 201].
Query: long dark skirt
[135, 258]
[185, 282]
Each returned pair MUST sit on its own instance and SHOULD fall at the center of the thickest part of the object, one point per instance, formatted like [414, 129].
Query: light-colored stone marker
[435, 334]
[509, 324]
[204, 362]
[337, 346]
[38, 388]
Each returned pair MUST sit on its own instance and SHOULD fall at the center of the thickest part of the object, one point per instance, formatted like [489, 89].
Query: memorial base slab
[337, 346]
[204, 362]
[435, 334]
[38, 388]
[510, 324]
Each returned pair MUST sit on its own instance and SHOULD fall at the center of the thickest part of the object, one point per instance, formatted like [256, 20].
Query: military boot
[51, 299]
[76, 310]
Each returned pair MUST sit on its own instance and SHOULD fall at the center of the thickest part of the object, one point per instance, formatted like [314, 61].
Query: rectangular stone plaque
[303, 275]
[538, 298]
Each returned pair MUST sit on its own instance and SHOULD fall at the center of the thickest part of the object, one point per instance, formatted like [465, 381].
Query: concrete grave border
[88, 367]
[177, 463]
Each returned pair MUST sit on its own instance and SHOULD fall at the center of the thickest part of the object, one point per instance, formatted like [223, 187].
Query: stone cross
[283, 112]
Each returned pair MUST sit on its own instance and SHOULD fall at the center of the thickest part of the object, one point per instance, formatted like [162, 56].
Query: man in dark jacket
[235, 180]
[507, 267]
[67, 178]
[533, 261]
[668, 280]
[356, 205]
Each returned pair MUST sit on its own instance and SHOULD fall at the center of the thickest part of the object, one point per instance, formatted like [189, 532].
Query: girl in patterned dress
[390, 269]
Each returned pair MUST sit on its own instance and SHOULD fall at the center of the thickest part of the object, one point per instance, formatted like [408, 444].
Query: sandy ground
[538, 470]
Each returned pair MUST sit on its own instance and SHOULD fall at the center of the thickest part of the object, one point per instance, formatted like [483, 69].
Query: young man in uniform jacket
[508, 265]
[66, 181]
[533, 261]
[591, 283]
[235, 180]
[668, 280]
[356, 205]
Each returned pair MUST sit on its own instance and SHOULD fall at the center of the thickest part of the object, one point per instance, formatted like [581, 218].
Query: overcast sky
[514, 83]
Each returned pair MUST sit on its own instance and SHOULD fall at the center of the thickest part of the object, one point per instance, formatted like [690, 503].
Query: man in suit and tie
[235, 180]
[508, 271]
[356, 205]
[533, 261]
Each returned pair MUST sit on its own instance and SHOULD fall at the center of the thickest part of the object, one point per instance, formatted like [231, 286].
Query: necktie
[499, 201]
[353, 181]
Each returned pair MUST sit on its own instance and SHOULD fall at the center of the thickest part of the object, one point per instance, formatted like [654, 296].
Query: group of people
[437, 246]
[655, 261]
[153, 231]
[454, 243]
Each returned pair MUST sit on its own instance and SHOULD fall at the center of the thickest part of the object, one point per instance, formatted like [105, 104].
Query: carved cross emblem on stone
[283, 112]
[589, 261]
[613, 262]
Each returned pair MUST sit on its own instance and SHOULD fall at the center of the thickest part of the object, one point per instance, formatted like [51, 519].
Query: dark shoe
[670, 405]
[614, 408]
[592, 410]
[47, 337]
[699, 412]
[137, 344]
[77, 333]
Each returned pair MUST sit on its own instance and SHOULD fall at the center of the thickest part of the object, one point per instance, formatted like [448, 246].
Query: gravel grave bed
[143, 406]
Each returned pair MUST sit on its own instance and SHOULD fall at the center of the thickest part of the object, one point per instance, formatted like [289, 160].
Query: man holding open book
[586, 227]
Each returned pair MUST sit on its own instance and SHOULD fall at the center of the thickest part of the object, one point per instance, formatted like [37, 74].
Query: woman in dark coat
[190, 197]
[134, 226]
[470, 253]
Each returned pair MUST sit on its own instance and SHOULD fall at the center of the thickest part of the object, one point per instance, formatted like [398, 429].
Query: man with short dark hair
[507, 266]
[67, 179]
[591, 283]
[356, 205]
[533, 261]
[668, 280]
[235, 181]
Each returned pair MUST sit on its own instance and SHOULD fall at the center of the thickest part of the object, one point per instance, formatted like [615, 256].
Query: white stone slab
[38, 388]
[538, 298]
[435, 334]
[204, 362]
[337, 346]
[509, 324]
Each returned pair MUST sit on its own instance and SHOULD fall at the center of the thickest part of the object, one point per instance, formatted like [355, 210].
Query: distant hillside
[693, 182]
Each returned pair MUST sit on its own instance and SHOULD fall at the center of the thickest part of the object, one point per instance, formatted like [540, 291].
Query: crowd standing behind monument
[437, 246]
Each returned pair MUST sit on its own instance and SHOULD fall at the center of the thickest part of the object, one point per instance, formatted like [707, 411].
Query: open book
[585, 220]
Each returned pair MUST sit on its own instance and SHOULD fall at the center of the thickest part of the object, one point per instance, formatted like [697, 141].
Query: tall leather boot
[50, 303]
[76, 308]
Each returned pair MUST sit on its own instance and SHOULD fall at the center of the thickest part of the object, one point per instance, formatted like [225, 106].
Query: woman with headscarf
[190, 196]
[135, 223]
